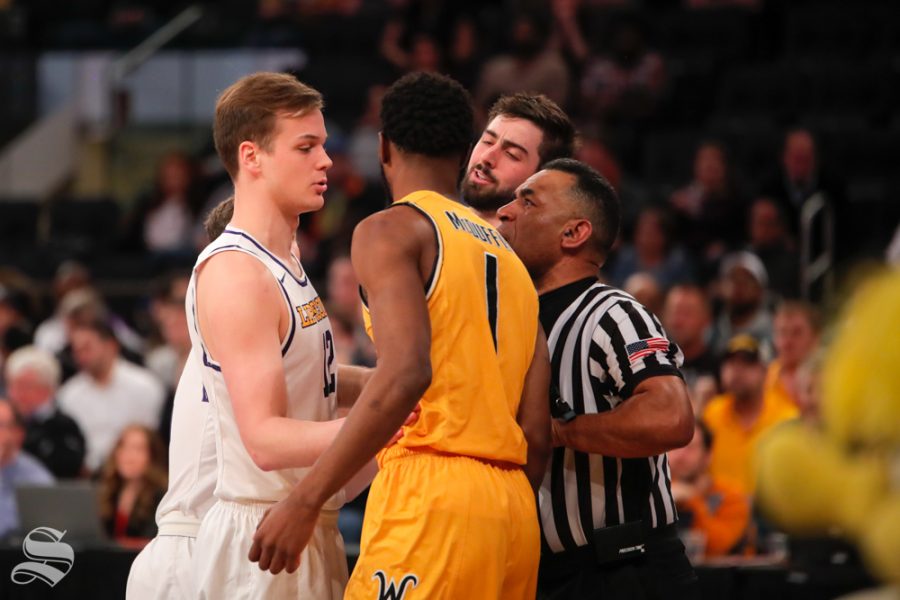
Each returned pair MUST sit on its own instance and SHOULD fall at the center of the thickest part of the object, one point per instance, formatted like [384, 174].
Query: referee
[606, 507]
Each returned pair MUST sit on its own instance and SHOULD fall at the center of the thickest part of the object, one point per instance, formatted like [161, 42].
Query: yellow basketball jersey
[484, 315]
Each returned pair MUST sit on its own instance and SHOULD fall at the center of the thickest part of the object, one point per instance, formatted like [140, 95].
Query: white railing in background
[41, 159]
[816, 224]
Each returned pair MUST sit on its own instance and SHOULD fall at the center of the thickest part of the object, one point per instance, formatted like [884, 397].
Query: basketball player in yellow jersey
[454, 318]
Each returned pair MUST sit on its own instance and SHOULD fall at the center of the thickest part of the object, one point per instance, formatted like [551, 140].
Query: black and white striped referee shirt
[603, 343]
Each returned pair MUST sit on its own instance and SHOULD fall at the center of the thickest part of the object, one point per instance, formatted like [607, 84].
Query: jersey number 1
[490, 281]
[328, 347]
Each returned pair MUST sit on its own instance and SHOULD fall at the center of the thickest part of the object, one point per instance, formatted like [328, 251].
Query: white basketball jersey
[192, 454]
[309, 368]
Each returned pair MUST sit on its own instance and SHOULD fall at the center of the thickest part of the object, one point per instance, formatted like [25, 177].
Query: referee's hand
[282, 534]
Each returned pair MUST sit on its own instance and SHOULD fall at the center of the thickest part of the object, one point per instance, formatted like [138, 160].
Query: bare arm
[237, 290]
[402, 333]
[534, 411]
[350, 382]
[656, 418]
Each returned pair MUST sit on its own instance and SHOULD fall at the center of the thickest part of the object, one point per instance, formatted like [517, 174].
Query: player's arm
[656, 418]
[240, 310]
[534, 411]
[350, 382]
[386, 253]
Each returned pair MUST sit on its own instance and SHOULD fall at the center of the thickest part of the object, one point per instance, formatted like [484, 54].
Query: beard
[483, 199]
[388, 194]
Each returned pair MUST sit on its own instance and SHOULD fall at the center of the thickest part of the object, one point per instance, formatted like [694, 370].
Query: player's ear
[248, 157]
[575, 233]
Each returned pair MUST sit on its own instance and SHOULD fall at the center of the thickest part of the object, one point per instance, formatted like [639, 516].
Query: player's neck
[566, 271]
[264, 222]
[417, 173]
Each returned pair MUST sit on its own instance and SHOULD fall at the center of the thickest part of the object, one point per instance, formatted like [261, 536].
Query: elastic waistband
[178, 523]
[398, 452]
[179, 529]
[257, 509]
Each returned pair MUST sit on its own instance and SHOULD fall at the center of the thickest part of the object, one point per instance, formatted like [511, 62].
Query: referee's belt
[610, 545]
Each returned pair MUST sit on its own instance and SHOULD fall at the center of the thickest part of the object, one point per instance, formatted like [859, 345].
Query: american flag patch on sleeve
[642, 348]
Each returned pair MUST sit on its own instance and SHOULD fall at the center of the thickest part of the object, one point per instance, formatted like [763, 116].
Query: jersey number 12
[328, 347]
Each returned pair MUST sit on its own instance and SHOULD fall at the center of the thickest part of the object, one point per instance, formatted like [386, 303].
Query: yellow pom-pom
[861, 374]
[808, 485]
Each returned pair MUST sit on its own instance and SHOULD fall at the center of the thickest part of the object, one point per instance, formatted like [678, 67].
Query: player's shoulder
[398, 225]
[234, 268]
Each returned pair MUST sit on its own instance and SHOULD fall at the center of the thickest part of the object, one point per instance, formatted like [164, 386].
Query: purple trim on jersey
[302, 283]
[290, 338]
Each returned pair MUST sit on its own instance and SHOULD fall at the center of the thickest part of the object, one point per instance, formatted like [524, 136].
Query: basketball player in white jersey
[264, 343]
[162, 571]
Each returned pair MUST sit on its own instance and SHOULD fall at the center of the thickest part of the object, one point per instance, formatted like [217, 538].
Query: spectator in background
[423, 54]
[131, 485]
[743, 284]
[709, 209]
[84, 305]
[108, 393]
[594, 152]
[796, 330]
[770, 241]
[362, 147]
[163, 222]
[687, 318]
[628, 81]
[16, 467]
[800, 177]
[716, 510]
[32, 376]
[738, 417]
[51, 333]
[167, 360]
[645, 289]
[531, 65]
[463, 57]
[352, 345]
[654, 251]
[351, 198]
[13, 310]
[807, 383]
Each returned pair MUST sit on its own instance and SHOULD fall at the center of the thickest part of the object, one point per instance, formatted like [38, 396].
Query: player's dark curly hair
[428, 114]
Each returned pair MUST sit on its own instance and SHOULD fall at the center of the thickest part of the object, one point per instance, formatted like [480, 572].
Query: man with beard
[524, 131]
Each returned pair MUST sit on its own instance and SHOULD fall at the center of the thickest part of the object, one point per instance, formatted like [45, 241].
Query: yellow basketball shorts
[447, 527]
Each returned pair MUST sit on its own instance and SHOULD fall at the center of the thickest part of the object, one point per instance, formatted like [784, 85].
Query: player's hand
[410, 420]
[282, 534]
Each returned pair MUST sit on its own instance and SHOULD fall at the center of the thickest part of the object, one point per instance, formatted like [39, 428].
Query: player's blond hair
[247, 110]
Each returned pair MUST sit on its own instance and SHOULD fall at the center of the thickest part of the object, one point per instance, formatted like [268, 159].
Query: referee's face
[533, 222]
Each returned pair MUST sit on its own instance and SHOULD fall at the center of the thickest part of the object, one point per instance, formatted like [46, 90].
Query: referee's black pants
[662, 572]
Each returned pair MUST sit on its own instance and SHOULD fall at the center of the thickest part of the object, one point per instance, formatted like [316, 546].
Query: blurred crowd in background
[716, 121]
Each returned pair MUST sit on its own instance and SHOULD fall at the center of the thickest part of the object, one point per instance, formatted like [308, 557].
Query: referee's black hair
[428, 114]
[598, 196]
